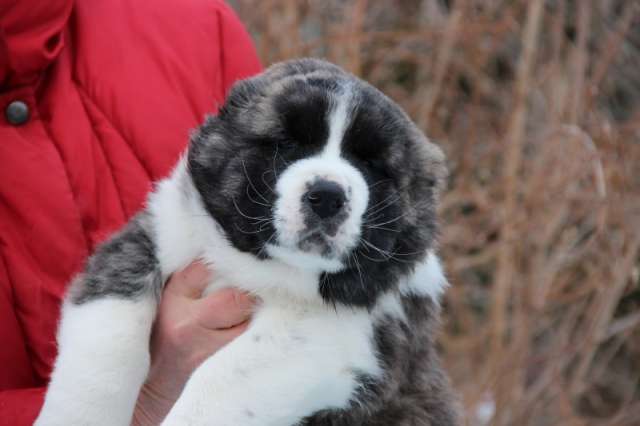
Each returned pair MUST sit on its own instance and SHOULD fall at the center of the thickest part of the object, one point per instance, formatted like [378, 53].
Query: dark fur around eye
[286, 144]
[377, 164]
[303, 109]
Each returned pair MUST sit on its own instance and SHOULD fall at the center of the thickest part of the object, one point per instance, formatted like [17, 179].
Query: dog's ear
[211, 145]
[436, 166]
[424, 167]
[243, 95]
[207, 152]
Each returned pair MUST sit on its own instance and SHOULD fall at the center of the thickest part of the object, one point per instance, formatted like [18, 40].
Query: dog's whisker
[275, 175]
[372, 246]
[261, 223]
[378, 183]
[395, 219]
[388, 255]
[412, 211]
[372, 259]
[245, 231]
[265, 182]
[382, 205]
[371, 220]
[391, 197]
[255, 201]
[382, 228]
[355, 259]
[264, 225]
[275, 157]
[417, 206]
[244, 167]
[244, 214]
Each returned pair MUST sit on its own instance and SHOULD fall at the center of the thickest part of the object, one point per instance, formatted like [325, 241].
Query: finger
[225, 308]
[191, 281]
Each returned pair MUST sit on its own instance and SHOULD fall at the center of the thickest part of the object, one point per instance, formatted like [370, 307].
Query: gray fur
[124, 266]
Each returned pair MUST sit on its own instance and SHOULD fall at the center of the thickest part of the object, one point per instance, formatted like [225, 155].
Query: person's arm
[20, 407]
[20, 396]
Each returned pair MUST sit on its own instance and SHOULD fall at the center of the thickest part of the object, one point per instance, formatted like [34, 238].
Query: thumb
[191, 281]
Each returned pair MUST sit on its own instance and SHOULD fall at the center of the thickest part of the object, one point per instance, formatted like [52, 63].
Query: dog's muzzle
[318, 212]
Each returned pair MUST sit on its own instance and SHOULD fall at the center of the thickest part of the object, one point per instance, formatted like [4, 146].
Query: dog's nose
[325, 198]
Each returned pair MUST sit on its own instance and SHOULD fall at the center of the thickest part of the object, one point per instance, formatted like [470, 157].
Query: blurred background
[537, 105]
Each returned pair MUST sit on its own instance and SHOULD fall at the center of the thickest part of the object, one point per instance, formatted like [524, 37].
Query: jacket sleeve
[20, 401]
[239, 56]
[20, 407]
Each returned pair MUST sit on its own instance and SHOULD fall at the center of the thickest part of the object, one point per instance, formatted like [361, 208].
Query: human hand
[187, 331]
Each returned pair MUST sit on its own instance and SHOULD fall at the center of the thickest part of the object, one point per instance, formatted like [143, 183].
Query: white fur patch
[428, 279]
[178, 231]
[338, 122]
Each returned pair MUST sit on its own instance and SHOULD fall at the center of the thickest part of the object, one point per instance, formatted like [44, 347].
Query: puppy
[315, 192]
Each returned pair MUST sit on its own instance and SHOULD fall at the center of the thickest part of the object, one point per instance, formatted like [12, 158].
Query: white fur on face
[289, 219]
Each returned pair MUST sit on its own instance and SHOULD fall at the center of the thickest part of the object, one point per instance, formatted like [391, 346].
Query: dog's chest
[336, 338]
[333, 347]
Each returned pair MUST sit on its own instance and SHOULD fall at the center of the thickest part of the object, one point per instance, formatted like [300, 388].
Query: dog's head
[308, 165]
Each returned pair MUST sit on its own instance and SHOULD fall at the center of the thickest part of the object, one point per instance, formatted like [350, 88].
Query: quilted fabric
[113, 89]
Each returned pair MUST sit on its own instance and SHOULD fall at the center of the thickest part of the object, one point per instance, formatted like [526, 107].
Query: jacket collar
[31, 37]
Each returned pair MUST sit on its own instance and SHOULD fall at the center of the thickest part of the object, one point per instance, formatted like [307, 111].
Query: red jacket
[108, 91]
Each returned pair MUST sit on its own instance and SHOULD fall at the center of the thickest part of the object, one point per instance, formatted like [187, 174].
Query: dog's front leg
[103, 339]
[103, 361]
[227, 391]
[275, 374]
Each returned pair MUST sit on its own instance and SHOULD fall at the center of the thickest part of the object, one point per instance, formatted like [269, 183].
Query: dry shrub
[536, 104]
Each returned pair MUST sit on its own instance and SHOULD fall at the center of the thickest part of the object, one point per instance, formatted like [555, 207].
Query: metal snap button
[17, 113]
